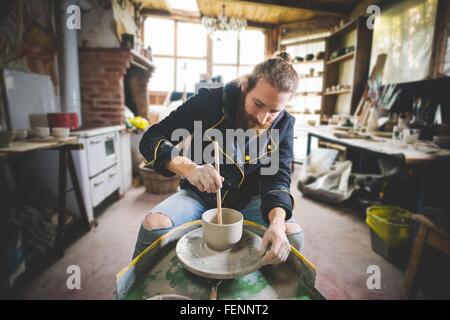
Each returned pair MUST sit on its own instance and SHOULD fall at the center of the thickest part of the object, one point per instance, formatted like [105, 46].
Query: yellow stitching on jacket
[276, 147]
[221, 150]
[156, 150]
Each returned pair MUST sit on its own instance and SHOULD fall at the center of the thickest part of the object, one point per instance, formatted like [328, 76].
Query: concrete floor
[336, 241]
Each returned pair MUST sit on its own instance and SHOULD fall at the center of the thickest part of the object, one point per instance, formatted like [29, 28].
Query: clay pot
[220, 237]
[6, 137]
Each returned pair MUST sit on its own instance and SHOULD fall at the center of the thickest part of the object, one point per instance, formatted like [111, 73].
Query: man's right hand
[204, 177]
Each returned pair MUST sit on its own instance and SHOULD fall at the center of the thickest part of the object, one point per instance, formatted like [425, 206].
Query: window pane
[228, 73]
[225, 48]
[244, 70]
[188, 73]
[252, 47]
[159, 35]
[191, 40]
[162, 79]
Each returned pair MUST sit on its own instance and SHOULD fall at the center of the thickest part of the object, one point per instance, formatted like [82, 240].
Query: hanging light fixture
[223, 23]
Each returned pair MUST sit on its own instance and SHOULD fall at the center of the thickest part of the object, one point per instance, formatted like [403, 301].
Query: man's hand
[275, 244]
[205, 177]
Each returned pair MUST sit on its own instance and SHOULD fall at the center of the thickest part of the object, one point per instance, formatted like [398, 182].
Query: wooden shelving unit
[345, 57]
[309, 93]
[351, 68]
[333, 93]
[309, 61]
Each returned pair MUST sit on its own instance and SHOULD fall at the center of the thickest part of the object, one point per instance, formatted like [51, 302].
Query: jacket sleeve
[157, 145]
[275, 188]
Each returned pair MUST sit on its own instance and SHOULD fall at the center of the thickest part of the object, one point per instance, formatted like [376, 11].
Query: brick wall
[101, 82]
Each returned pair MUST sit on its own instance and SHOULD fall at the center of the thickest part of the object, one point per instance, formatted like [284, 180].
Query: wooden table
[64, 146]
[382, 147]
[422, 157]
[428, 234]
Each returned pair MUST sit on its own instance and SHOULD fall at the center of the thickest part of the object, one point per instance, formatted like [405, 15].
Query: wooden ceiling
[264, 11]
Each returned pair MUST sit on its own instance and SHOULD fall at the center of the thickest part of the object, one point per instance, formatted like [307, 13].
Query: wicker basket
[156, 183]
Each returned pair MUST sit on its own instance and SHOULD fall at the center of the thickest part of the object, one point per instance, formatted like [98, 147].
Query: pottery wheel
[241, 259]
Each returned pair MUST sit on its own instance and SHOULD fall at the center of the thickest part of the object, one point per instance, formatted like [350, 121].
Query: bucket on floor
[397, 255]
[156, 183]
[392, 231]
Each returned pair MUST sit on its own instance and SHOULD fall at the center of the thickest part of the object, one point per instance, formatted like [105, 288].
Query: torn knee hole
[153, 221]
[292, 228]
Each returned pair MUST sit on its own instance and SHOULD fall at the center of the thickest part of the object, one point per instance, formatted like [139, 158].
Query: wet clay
[241, 259]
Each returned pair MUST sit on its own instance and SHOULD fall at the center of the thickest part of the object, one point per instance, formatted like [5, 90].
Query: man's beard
[246, 121]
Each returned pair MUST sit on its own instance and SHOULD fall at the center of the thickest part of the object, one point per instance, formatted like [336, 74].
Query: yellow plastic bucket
[394, 225]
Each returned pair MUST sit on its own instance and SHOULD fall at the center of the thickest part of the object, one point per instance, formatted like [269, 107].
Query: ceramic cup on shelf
[60, 132]
[411, 136]
[6, 137]
[21, 135]
[41, 132]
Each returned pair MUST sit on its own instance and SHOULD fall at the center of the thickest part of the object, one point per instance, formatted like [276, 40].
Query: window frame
[209, 48]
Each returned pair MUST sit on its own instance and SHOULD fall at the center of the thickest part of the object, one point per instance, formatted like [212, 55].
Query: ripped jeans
[186, 206]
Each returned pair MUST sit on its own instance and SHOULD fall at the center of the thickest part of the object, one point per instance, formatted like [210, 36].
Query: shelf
[332, 93]
[345, 57]
[309, 77]
[309, 62]
[345, 28]
[310, 93]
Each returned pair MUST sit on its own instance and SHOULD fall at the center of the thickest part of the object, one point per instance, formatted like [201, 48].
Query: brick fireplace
[111, 78]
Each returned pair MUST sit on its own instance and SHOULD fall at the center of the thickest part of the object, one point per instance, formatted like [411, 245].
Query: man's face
[263, 104]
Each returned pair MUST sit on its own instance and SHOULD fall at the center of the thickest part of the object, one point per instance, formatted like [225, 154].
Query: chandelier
[223, 23]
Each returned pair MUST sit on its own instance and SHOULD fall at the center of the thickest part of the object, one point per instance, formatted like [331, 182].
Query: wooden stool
[428, 234]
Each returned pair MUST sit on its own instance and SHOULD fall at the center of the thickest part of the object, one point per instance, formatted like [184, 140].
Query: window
[163, 78]
[159, 35]
[191, 40]
[181, 55]
[234, 56]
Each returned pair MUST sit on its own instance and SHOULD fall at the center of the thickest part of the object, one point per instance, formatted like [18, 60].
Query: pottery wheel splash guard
[159, 271]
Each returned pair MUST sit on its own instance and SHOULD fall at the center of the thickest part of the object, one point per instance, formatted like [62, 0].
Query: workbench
[422, 157]
[64, 147]
[384, 148]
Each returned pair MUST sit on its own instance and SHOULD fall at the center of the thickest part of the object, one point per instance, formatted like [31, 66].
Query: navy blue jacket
[215, 108]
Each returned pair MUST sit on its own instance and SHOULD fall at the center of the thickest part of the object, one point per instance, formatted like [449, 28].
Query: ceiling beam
[196, 18]
[330, 9]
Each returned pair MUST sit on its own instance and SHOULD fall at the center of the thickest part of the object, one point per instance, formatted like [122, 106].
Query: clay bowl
[6, 137]
[21, 135]
[42, 132]
[220, 237]
[60, 132]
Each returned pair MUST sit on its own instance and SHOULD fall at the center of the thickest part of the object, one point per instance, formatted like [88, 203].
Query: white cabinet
[112, 178]
[100, 164]
[104, 184]
[98, 187]
[101, 152]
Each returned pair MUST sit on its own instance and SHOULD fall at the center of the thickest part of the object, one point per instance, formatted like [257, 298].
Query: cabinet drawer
[98, 189]
[112, 180]
[101, 152]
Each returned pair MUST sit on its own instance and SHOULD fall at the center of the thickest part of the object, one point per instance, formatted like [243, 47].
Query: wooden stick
[218, 194]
